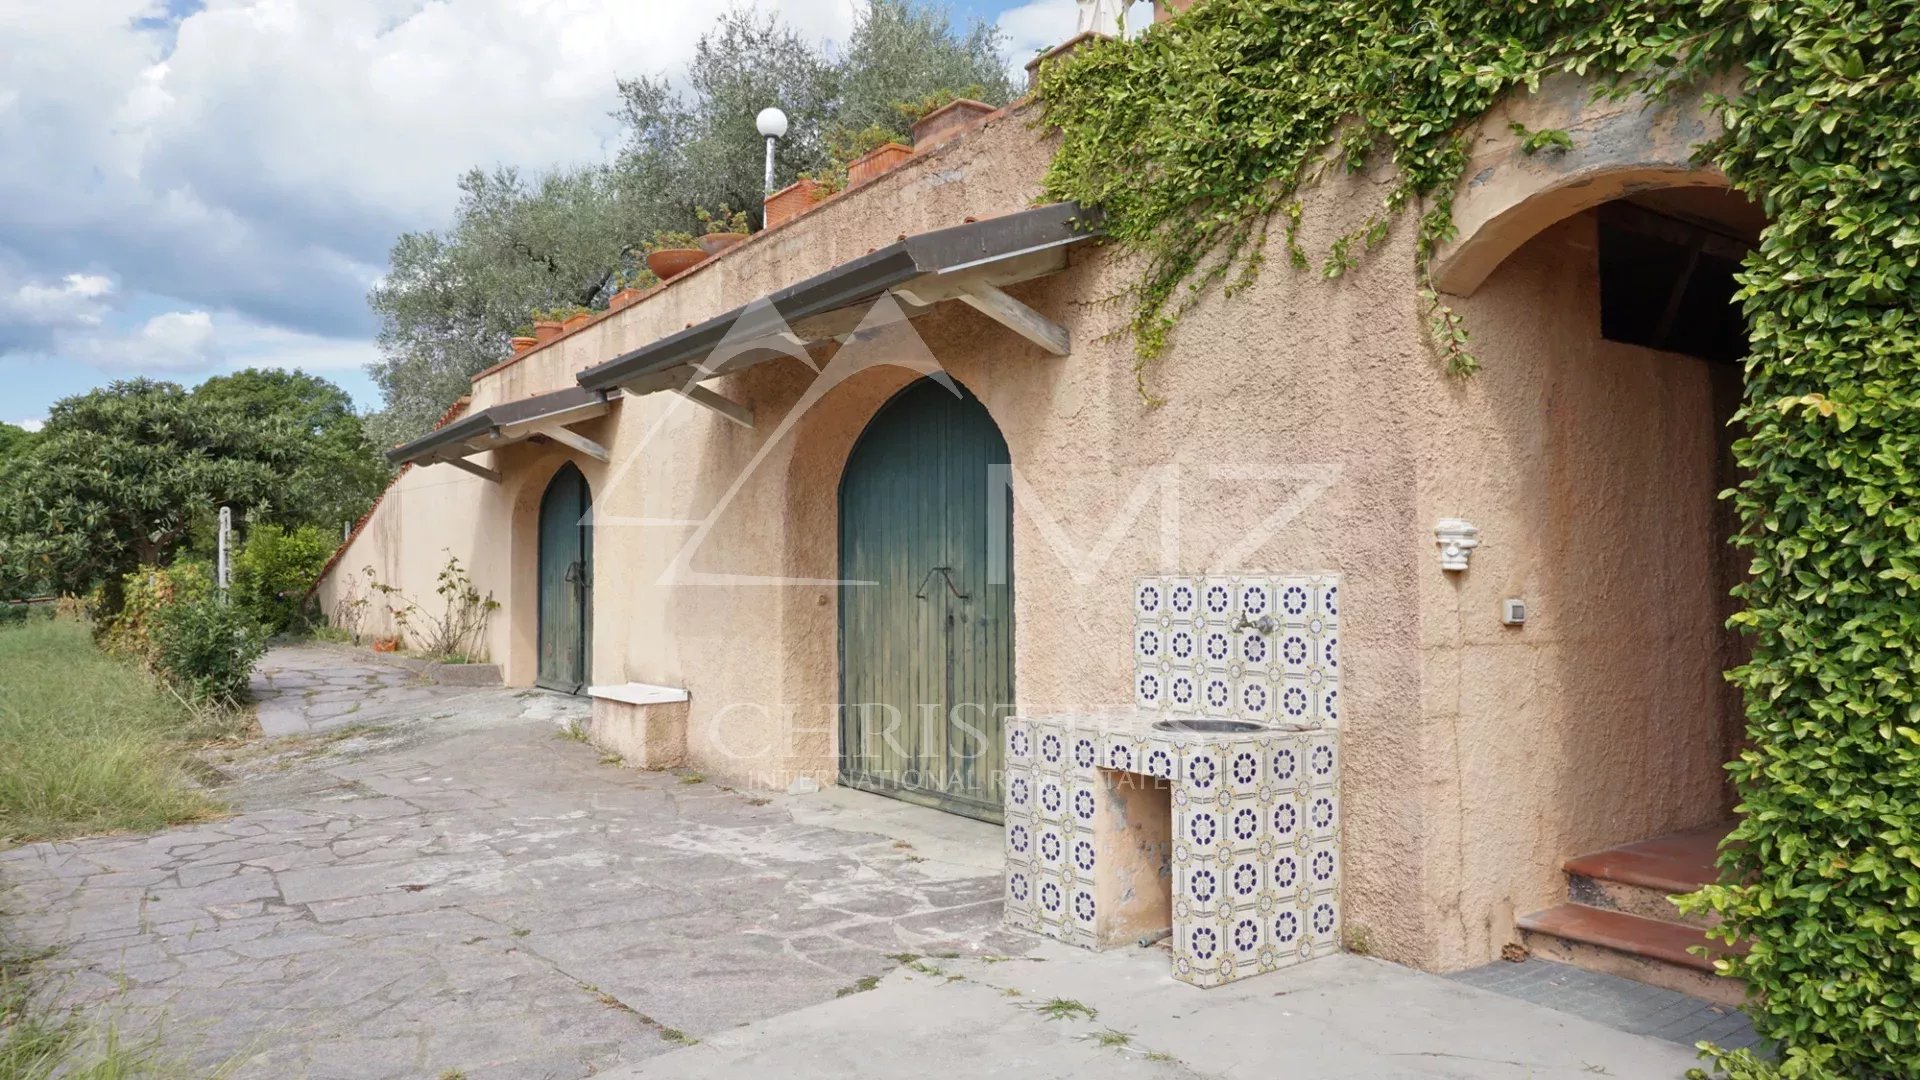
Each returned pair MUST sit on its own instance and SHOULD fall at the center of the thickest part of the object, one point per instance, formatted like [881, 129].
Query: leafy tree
[121, 476]
[15, 444]
[903, 53]
[274, 569]
[340, 471]
[452, 298]
[702, 146]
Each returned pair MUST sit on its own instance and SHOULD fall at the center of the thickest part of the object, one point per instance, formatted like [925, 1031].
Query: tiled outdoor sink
[1123, 825]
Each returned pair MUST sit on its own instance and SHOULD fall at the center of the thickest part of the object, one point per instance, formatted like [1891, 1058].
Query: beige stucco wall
[1309, 415]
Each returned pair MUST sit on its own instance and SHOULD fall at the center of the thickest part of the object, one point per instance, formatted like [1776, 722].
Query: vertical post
[769, 184]
[226, 527]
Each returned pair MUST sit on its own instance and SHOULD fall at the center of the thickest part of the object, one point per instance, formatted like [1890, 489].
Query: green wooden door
[926, 637]
[566, 582]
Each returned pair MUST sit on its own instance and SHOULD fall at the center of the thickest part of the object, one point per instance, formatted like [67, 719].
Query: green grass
[38, 1043]
[1065, 1009]
[88, 743]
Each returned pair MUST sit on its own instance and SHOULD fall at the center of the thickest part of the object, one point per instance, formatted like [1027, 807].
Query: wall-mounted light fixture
[1457, 539]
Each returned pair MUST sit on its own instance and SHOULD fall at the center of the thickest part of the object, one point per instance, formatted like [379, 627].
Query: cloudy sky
[194, 186]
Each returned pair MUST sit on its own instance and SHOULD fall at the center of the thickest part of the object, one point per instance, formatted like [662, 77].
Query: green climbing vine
[1225, 115]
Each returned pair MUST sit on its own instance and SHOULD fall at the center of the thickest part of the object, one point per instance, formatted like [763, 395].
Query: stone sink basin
[1211, 726]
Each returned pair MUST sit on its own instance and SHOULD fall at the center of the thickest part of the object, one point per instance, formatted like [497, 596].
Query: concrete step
[1638, 878]
[1652, 951]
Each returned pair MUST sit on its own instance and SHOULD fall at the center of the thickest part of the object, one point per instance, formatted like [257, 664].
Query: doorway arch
[926, 602]
[565, 604]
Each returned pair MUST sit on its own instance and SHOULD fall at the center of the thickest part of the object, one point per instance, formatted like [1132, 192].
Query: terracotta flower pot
[575, 322]
[524, 344]
[793, 200]
[623, 298]
[876, 163]
[669, 263]
[545, 330]
[386, 644]
[715, 243]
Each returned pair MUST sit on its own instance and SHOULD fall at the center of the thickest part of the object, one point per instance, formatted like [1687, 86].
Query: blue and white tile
[1286, 764]
[1083, 802]
[1245, 824]
[1199, 889]
[1019, 735]
[1019, 895]
[1296, 701]
[1149, 601]
[1182, 599]
[1322, 760]
[1244, 765]
[1050, 750]
[1322, 814]
[1050, 848]
[1219, 601]
[1293, 601]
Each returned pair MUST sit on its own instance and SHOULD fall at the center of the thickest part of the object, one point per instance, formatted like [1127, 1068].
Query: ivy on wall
[1225, 114]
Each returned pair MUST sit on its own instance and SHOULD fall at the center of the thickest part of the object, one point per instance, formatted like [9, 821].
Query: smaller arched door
[566, 582]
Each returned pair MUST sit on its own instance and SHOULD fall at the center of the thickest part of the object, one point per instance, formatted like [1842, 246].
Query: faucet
[1264, 624]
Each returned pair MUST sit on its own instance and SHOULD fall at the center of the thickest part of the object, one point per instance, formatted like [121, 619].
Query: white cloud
[29, 425]
[1041, 24]
[175, 341]
[178, 343]
[75, 300]
[260, 156]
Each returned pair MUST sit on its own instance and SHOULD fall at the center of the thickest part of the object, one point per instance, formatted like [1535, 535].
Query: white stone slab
[638, 693]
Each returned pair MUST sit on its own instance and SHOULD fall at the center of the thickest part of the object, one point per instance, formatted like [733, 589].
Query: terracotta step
[1651, 951]
[1676, 863]
[1638, 878]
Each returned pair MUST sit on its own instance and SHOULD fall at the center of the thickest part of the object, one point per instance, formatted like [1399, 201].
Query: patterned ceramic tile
[1019, 735]
[1019, 794]
[1083, 754]
[1244, 767]
[1255, 860]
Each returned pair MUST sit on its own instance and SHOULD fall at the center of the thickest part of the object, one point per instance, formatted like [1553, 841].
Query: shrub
[458, 633]
[127, 631]
[206, 647]
[273, 571]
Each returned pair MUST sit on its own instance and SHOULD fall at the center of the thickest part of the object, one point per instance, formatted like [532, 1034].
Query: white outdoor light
[1457, 539]
[773, 124]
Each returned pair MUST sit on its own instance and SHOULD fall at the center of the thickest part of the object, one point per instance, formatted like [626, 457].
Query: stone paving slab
[436, 880]
[1120, 1013]
[444, 882]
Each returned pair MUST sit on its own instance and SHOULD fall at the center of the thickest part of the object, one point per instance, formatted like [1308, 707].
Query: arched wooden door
[566, 582]
[926, 634]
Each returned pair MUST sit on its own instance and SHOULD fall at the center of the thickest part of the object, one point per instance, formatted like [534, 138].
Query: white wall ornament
[1457, 539]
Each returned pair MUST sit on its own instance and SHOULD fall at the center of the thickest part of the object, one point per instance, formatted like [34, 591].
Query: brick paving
[1616, 1002]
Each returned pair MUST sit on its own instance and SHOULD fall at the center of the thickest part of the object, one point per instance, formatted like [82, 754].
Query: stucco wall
[1592, 468]
[1307, 425]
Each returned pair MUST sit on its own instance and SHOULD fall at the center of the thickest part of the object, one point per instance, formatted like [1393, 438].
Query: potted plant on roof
[672, 254]
[721, 230]
[634, 283]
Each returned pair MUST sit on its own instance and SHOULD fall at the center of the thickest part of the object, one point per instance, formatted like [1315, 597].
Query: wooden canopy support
[993, 302]
[561, 434]
[980, 288]
[726, 407]
[464, 465]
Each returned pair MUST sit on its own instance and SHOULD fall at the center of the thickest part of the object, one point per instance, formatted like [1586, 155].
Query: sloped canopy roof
[951, 263]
